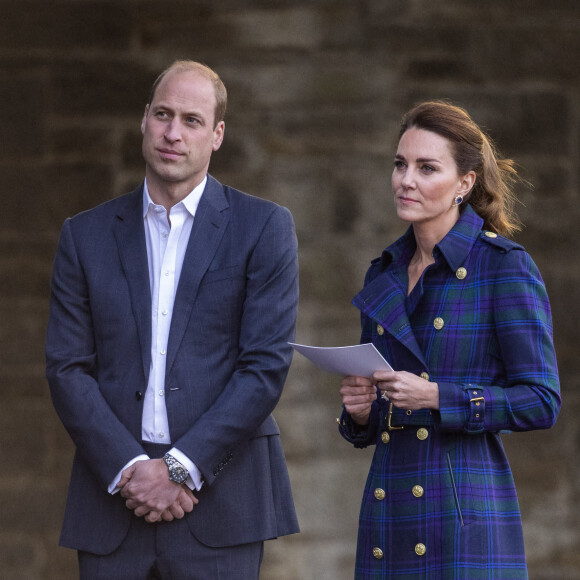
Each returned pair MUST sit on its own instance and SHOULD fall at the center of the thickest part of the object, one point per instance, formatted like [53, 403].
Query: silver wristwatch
[177, 472]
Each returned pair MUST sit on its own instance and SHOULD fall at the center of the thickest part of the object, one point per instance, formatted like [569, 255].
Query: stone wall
[316, 90]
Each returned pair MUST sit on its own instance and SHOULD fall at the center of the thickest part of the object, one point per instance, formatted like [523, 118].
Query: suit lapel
[383, 301]
[209, 226]
[129, 233]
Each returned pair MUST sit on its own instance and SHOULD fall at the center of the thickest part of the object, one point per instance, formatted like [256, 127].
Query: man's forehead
[184, 82]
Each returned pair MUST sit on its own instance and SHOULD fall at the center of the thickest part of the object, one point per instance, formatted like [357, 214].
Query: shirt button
[420, 549]
[438, 323]
[165, 312]
[161, 434]
[164, 234]
[378, 553]
[166, 273]
[162, 351]
[161, 393]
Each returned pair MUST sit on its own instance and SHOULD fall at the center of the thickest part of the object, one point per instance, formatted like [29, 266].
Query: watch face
[178, 474]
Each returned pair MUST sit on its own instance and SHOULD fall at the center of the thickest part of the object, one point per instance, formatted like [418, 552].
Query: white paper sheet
[360, 360]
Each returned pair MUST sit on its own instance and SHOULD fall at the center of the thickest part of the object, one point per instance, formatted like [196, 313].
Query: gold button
[491, 234]
[424, 375]
[385, 437]
[420, 549]
[461, 273]
[438, 323]
[417, 491]
[422, 433]
[408, 411]
[380, 330]
[380, 493]
[378, 553]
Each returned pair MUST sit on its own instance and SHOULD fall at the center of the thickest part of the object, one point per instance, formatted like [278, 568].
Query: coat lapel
[209, 226]
[383, 301]
[129, 233]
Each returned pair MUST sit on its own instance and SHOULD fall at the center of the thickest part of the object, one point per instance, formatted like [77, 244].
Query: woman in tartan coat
[461, 314]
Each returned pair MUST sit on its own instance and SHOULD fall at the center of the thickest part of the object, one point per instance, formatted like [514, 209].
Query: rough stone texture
[316, 90]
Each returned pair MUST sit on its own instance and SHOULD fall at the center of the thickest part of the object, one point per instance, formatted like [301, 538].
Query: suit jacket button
[138, 395]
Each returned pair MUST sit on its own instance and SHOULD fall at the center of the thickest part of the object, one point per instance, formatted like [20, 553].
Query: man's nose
[173, 131]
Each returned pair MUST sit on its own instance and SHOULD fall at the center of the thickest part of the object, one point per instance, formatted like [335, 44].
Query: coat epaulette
[503, 244]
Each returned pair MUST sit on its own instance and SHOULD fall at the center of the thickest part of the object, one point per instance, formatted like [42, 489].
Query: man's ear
[144, 120]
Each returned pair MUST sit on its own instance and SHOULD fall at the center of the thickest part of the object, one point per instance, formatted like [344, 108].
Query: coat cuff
[359, 435]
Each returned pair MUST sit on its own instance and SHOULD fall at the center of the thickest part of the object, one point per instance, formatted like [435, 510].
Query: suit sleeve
[268, 319]
[102, 441]
[530, 398]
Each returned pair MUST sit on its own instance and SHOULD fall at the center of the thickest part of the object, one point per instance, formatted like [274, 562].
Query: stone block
[65, 26]
[59, 190]
[105, 88]
[22, 555]
[24, 128]
[22, 335]
[79, 141]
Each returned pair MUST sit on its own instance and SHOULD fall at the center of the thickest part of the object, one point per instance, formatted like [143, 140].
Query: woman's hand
[406, 390]
[358, 395]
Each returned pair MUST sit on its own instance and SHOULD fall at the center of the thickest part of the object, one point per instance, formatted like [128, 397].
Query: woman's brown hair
[492, 195]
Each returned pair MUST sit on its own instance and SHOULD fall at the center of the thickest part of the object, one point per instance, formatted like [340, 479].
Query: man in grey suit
[171, 310]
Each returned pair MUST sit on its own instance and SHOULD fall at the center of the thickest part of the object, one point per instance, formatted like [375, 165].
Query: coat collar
[383, 298]
[454, 247]
[129, 231]
[209, 226]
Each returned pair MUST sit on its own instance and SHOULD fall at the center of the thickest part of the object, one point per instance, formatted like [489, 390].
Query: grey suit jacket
[227, 360]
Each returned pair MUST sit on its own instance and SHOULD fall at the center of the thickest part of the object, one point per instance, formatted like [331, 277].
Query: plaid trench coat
[440, 501]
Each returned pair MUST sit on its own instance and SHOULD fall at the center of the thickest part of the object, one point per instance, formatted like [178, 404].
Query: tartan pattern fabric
[491, 353]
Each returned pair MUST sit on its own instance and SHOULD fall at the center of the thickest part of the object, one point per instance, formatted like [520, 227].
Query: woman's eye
[428, 168]
[399, 164]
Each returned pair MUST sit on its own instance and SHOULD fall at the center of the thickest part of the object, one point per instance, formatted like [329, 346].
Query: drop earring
[458, 200]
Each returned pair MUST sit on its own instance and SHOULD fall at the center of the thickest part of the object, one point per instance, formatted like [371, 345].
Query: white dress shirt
[166, 237]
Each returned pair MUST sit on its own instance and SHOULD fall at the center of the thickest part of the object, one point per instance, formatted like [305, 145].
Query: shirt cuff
[113, 489]
[195, 479]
